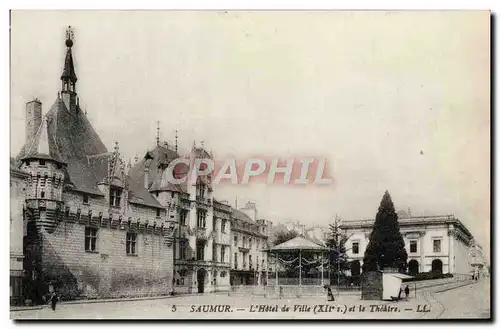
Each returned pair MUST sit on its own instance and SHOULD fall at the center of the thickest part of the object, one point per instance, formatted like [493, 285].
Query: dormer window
[115, 195]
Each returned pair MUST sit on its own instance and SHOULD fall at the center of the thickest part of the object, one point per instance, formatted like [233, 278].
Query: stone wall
[107, 272]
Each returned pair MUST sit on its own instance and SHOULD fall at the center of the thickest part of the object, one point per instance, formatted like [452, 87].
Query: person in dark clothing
[54, 298]
[329, 295]
[407, 291]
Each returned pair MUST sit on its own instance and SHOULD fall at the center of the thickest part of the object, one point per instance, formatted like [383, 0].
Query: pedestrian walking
[407, 291]
[54, 298]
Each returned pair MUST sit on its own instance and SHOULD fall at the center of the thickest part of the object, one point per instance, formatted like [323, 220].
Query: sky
[396, 101]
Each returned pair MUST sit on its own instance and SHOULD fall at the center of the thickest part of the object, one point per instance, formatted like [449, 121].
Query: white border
[199, 4]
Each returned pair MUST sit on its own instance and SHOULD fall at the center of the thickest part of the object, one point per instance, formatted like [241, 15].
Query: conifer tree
[386, 247]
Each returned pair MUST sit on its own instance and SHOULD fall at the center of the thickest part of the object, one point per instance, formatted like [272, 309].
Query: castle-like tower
[92, 230]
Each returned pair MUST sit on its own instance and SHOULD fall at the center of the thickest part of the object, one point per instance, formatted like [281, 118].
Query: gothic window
[200, 251]
[223, 226]
[115, 195]
[182, 249]
[131, 244]
[201, 218]
[183, 218]
[90, 239]
[214, 228]
[222, 254]
[235, 240]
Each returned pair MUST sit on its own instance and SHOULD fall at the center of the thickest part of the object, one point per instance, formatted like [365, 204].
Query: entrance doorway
[413, 267]
[437, 266]
[201, 276]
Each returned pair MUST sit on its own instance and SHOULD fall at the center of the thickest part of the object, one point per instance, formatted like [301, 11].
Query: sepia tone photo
[250, 165]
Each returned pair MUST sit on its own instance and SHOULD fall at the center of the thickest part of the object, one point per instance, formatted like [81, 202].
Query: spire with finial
[176, 140]
[202, 144]
[194, 144]
[68, 76]
[157, 133]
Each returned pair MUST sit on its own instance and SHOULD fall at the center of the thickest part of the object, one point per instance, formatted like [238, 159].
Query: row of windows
[222, 225]
[247, 242]
[91, 241]
[41, 162]
[436, 246]
[250, 262]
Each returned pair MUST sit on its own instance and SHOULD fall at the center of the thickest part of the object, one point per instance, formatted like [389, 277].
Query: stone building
[201, 248]
[92, 231]
[249, 235]
[18, 181]
[433, 243]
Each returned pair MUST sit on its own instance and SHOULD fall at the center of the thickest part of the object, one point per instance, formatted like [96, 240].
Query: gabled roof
[298, 243]
[160, 158]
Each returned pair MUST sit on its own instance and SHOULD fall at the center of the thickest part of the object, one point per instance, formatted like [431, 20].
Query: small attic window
[157, 193]
[157, 212]
[27, 162]
[59, 166]
[85, 199]
[42, 162]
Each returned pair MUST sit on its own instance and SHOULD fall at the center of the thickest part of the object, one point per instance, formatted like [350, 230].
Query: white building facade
[433, 243]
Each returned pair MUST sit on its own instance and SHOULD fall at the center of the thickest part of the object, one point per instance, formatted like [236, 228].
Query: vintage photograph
[250, 165]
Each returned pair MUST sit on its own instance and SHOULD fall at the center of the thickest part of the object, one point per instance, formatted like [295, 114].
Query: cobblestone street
[468, 301]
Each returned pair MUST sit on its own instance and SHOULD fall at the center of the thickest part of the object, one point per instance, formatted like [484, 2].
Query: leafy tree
[386, 247]
[337, 242]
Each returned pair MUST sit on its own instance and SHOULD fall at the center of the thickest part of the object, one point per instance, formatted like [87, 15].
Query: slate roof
[240, 215]
[72, 135]
[160, 158]
[43, 146]
[69, 67]
[67, 136]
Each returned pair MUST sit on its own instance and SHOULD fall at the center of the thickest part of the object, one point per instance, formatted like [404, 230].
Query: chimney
[146, 178]
[33, 119]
